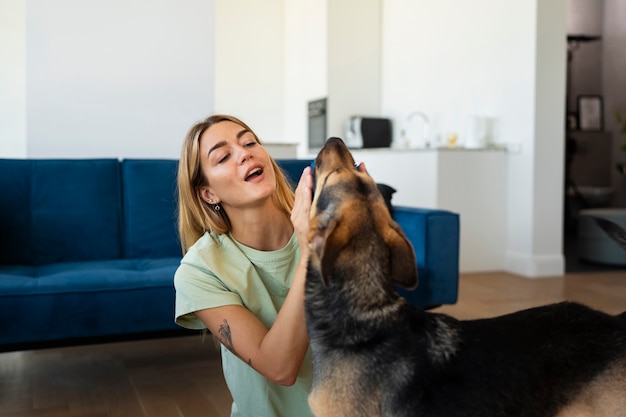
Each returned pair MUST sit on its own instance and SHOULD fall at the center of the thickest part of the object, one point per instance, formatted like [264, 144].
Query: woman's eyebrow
[243, 132]
[223, 142]
[217, 145]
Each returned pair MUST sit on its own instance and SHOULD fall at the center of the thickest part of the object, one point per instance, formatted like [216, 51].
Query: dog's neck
[360, 310]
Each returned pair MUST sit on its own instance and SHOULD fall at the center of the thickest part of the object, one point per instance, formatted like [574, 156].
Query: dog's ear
[403, 263]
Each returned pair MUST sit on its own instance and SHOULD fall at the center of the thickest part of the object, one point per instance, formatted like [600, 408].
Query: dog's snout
[337, 144]
[334, 154]
[333, 140]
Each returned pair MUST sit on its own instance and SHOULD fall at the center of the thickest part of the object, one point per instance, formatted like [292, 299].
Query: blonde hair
[196, 216]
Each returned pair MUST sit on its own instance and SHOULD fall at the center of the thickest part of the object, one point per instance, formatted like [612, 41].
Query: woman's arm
[277, 352]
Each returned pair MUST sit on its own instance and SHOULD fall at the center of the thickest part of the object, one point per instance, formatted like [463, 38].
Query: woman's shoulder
[209, 241]
[200, 259]
[202, 251]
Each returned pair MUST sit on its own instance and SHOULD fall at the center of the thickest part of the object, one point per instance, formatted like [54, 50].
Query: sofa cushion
[434, 235]
[150, 196]
[59, 211]
[84, 277]
[86, 299]
[292, 168]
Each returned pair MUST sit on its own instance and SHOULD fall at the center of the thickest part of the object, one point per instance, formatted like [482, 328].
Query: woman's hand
[300, 215]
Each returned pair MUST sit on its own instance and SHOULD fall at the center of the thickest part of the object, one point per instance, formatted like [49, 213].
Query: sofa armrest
[434, 234]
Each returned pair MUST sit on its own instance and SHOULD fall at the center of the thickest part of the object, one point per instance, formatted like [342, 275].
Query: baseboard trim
[535, 266]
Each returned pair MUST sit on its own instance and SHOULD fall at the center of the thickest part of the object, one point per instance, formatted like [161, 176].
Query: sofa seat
[78, 300]
[95, 276]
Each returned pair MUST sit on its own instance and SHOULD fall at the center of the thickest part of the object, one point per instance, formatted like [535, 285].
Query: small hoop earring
[217, 207]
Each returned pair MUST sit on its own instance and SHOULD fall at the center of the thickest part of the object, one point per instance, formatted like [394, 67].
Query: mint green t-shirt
[217, 271]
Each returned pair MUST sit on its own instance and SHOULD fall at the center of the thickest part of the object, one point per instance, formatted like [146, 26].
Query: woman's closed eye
[223, 158]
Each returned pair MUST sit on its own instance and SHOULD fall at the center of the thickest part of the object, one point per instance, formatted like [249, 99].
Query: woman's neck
[265, 230]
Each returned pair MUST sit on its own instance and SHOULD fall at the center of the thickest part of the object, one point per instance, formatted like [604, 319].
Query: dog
[374, 354]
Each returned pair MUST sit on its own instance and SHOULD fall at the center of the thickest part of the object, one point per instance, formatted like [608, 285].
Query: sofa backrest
[150, 207]
[150, 203]
[59, 210]
[293, 168]
[64, 210]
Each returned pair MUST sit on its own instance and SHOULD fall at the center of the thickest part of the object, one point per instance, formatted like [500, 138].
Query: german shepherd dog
[377, 355]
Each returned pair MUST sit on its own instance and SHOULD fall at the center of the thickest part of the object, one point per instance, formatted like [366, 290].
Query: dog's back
[530, 363]
[424, 364]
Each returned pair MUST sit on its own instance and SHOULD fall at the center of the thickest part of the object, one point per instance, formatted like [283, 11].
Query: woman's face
[237, 167]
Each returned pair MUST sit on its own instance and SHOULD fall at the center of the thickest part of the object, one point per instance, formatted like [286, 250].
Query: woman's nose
[244, 154]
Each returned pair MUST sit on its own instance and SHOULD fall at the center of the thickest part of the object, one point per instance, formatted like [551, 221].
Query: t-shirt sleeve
[199, 289]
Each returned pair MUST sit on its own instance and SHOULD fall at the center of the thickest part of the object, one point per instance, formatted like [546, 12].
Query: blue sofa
[88, 249]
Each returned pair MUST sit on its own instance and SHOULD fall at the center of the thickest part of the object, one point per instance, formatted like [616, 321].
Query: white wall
[116, 78]
[454, 59]
[504, 60]
[250, 64]
[306, 61]
[271, 59]
[354, 61]
[445, 59]
[543, 256]
[13, 79]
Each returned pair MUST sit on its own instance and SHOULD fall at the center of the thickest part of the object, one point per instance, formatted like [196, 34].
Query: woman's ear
[207, 195]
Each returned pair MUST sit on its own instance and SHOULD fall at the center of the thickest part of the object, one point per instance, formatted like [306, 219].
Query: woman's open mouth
[254, 173]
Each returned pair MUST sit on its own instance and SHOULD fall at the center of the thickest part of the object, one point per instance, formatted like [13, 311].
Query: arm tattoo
[226, 337]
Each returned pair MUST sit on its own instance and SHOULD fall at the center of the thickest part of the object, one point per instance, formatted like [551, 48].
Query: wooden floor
[181, 376]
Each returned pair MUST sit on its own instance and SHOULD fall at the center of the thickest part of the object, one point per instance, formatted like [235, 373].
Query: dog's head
[352, 234]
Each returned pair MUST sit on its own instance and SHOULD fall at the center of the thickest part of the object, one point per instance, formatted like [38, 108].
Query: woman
[244, 235]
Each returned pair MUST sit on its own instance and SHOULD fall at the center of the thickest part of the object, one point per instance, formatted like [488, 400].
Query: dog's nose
[332, 139]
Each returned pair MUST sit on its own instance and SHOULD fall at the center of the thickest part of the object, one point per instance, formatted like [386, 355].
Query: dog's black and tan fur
[377, 355]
